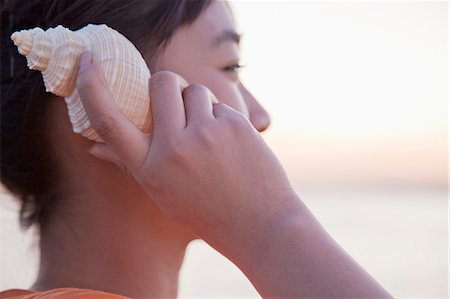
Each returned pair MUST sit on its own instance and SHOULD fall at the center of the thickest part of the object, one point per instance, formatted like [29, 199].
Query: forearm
[292, 256]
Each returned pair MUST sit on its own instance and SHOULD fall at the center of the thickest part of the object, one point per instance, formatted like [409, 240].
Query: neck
[115, 243]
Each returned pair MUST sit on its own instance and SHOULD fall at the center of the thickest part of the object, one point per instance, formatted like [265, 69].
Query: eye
[233, 68]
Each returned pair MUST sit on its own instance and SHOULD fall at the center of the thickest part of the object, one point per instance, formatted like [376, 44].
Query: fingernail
[85, 61]
[94, 151]
[213, 98]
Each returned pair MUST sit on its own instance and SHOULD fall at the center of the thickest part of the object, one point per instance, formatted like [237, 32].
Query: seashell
[56, 52]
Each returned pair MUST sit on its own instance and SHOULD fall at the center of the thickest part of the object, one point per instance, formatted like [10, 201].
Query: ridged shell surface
[56, 52]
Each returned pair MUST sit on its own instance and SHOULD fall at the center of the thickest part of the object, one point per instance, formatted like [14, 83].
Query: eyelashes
[234, 68]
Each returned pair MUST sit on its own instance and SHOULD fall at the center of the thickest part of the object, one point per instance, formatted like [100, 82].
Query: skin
[204, 172]
[106, 233]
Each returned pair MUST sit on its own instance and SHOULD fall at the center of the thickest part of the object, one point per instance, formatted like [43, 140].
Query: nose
[258, 116]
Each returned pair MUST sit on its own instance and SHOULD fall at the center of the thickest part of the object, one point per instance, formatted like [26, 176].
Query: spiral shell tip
[16, 37]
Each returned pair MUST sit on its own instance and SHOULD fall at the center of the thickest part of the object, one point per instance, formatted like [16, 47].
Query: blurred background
[358, 94]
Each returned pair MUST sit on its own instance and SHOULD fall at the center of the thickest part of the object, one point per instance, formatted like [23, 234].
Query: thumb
[102, 152]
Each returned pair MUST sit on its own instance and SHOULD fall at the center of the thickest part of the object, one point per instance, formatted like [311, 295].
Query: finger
[232, 117]
[167, 103]
[221, 110]
[197, 103]
[127, 141]
[103, 152]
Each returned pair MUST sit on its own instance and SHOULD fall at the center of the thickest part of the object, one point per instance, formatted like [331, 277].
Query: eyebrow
[226, 35]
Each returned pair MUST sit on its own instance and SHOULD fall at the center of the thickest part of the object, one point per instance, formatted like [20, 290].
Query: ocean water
[400, 236]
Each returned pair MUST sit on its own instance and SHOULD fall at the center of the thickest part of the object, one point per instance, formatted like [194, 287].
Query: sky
[357, 91]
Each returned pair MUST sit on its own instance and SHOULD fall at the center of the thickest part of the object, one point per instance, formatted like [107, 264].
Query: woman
[203, 173]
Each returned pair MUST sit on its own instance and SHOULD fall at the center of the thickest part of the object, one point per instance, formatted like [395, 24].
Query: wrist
[250, 244]
[264, 239]
[270, 252]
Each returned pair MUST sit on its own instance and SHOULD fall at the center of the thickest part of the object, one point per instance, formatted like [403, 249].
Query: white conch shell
[56, 52]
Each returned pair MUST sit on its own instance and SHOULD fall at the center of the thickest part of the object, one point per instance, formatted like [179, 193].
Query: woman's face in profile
[207, 52]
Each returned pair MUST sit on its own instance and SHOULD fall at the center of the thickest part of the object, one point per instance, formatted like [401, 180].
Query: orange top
[69, 293]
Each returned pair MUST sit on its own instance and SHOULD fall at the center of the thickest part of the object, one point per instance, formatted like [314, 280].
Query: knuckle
[175, 153]
[204, 136]
[195, 90]
[105, 126]
[219, 109]
[236, 121]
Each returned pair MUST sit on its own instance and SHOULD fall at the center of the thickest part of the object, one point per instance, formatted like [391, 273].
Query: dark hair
[26, 164]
